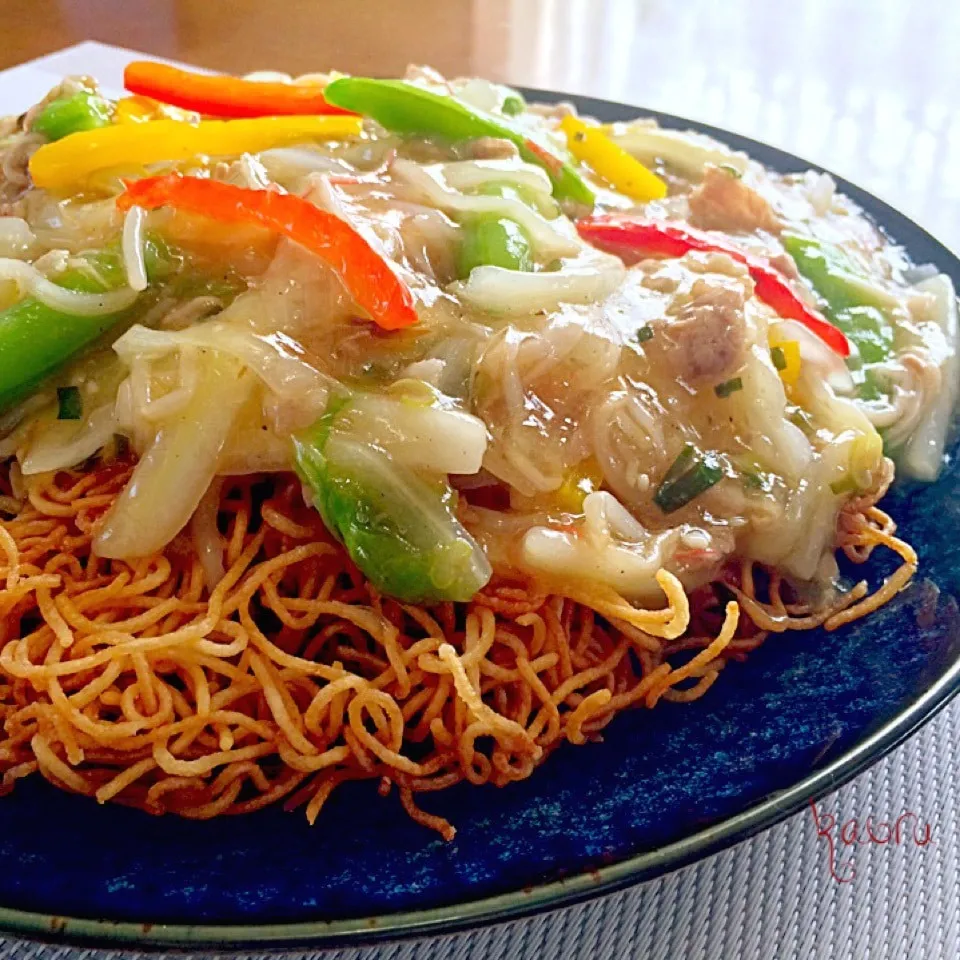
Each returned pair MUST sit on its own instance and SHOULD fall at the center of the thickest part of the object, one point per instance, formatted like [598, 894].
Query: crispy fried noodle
[130, 682]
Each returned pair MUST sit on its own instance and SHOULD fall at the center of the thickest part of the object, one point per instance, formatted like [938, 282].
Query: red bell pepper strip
[632, 239]
[366, 275]
[219, 96]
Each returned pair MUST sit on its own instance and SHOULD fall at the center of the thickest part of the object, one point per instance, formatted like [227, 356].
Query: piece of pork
[722, 201]
[704, 337]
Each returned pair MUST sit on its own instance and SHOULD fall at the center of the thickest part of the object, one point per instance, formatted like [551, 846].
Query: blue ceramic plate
[666, 787]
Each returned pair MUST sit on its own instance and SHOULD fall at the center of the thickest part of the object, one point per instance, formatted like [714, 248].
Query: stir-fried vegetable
[399, 527]
[613, 163]
[494, 240]
[728, 387]
[366, 275]
[923, 456]
[551, 238]
[691, 474]
[172, 476]
[69, 403]
[69, 162]
[218, 96]
[81, 111]
[589, 278]
[408, 109]
[786, 358]
[685, 152]
[633, 238]
[849, 300]
[37, 339]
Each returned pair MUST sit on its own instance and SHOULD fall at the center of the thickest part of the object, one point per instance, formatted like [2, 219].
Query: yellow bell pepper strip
[623, 172]
[68, 162]
[407, 109]
[219, 96]
[366, 275]
[145, 110]
[785, 355]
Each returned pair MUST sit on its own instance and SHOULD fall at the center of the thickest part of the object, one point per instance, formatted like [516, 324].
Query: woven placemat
[797, 890]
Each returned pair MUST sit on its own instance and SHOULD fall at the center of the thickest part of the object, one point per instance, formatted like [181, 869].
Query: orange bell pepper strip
[365, 274]
[219, 96]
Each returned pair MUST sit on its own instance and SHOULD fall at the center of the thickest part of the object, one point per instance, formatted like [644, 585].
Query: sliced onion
[207, 538]
[31, 282]
[472, 174]
[299, 161]
[275, 358]
[514, 293]
[16, 237]
[62, 445]
[133, 260]
[630, 569]
[556, 238]
[923, 456]
[172, 476]
[423, 437]
[687, 152]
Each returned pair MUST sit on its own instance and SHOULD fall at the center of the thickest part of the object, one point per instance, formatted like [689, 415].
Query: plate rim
[589, 884]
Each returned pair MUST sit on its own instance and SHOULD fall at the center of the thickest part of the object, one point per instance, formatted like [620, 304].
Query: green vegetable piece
[497, 241]
[723, 390]
[513, 105]
[779, 358]
[645, 333]
[691, 474]
[36, 340]
[69, 403]
[848, 300]
[407, 109]
[65, 115]
[399, 528]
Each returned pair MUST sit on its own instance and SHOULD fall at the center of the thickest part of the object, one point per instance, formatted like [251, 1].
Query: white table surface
[878, 106]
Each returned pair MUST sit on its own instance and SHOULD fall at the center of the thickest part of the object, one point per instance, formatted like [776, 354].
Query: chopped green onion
[778, 357]
[757, 480]
[724, 389]
[846, 484]
[683, 463]
[645, 333]
[69, 403]
[691, 474]
[800, 418]
[731, 170]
